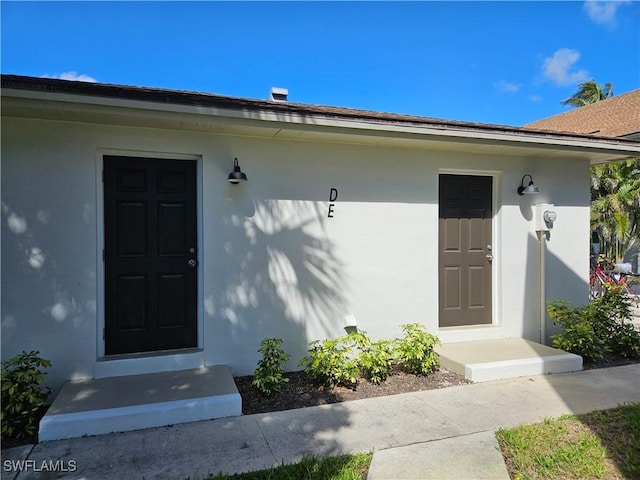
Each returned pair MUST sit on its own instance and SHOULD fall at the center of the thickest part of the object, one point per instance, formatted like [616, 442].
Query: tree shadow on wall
[277, 274]
[43, 289]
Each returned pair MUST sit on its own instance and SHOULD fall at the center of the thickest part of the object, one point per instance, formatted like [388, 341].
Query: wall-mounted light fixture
[237, 175]
[529, 189]
[350, 323]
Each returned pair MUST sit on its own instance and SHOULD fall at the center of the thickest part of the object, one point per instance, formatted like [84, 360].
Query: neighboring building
[126, 250]
[617, 116]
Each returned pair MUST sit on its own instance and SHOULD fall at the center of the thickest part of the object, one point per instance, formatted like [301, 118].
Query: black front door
[150, 254]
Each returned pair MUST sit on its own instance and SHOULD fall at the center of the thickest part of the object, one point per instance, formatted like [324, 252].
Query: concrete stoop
[484, 360]
[118, 404]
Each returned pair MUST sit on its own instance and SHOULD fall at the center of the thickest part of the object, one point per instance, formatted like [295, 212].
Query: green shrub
[579, 335]
[375, 361]
[415, 351]
[601, 327]
[625, 340]
[343, 360]
[330, 362]
[269, 376]
[22, 394]
[612, 321]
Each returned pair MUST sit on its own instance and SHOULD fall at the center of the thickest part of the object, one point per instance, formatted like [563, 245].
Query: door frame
[100, 266]
[496, 228]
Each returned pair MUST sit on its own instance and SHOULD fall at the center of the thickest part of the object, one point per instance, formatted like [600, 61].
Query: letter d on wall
[333, 195]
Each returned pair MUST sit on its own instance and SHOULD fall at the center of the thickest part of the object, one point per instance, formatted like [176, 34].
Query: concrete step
[484, 360]
[118, 404]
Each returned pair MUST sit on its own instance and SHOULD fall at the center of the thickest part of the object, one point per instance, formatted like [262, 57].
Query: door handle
[489, 257]
[192, 263]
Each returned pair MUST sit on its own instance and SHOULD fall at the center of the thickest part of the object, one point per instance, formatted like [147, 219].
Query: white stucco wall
[271, 262]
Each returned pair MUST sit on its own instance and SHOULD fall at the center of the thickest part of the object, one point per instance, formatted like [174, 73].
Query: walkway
[393, 427]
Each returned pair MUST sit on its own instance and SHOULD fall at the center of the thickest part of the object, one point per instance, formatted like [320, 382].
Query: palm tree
[615, 206]
[589, 92]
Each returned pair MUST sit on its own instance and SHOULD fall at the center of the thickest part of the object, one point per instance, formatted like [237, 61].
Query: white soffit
[313, 127]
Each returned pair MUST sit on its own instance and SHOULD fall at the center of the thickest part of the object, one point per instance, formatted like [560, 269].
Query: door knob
[192, 263]
[489, 257]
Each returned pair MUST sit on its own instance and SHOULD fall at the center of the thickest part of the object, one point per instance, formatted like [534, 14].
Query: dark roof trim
[188, 98]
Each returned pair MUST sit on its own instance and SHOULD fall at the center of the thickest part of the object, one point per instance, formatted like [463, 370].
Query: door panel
[132, 302]
[172, 287]
[452, 284]
[172, 239]
[465, 239]
[131, 232]
[150, 237]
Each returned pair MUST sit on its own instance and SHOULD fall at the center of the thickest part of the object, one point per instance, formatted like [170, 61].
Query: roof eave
[290, 115]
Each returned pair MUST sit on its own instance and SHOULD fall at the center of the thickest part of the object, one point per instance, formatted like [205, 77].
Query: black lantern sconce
[237, 175]
[530, 189]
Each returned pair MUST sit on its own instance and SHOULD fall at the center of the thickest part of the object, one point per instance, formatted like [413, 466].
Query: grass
[342, 467]
[601, 444]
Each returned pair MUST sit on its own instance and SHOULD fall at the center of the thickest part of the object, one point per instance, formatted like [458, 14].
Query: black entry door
[150, 254]
[465, 250]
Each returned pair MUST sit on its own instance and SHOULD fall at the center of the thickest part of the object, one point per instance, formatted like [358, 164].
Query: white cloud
[535, 98]
[603, 13]
[72, 75]
[558, 67]
[507, 87]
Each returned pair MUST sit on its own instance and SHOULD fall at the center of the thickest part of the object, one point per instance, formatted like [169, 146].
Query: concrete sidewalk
[444, 433]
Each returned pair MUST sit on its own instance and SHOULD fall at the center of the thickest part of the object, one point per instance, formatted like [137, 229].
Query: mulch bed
[610, 361]
[300, 392]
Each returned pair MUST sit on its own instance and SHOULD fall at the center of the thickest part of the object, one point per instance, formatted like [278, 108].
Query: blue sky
[492, 62]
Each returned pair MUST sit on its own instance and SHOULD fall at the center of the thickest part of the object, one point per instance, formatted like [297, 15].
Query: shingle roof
[209, 100]
[185, 97]
[617, 116]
